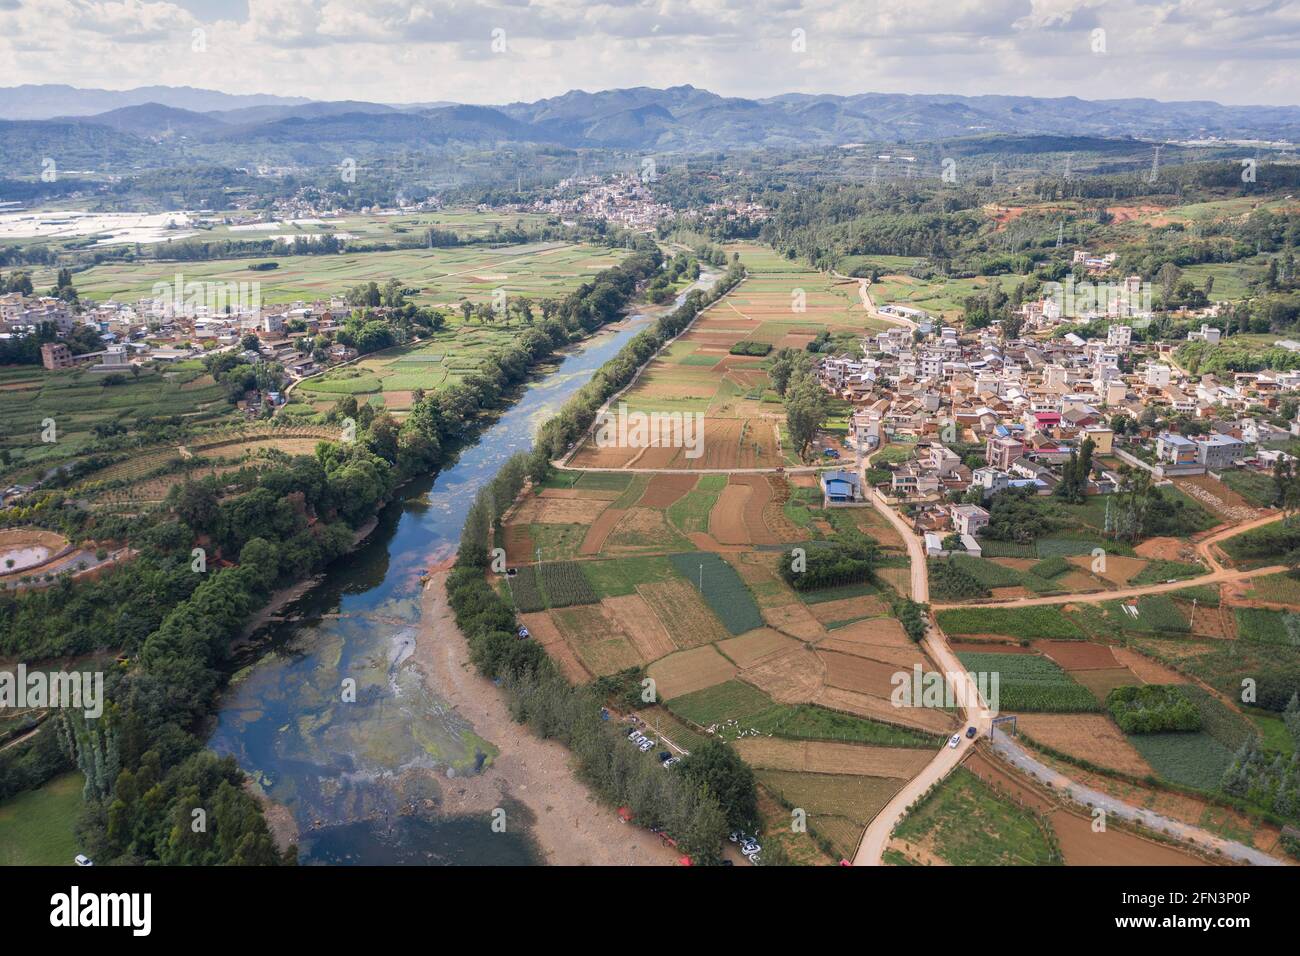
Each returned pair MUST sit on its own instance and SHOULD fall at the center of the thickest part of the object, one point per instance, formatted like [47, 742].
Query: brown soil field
[1102, 681]
[882, 631]
[900, 658]
[1165, 549]
[877, 708]
[821, 756]
[634, 617]
[755, 508]
[848, 609]
[1119, 569]
[755, 569]
[598, 641]
[520, 547]
[785, 530]
[534, 510]
[641, 529]
[1217, 497]
[794, 619]
[1147, 670]
[690, 670]
[545, 632]
[726, 517]
[1091, 737]
[664, 490]
[590, 494]
[861, 674]
[599, 530]
[683, 613]
[795, 677]
[589, 456]
[12, 539]
[1217, 622]
[754, 646]
[1077, 655]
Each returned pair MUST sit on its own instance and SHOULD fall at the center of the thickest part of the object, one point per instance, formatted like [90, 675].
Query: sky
[498, 51]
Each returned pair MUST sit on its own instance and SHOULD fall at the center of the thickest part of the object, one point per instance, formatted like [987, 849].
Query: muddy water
[364, 778]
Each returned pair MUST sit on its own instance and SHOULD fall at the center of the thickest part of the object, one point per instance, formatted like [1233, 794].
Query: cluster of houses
[158, 330]
[1029, 404]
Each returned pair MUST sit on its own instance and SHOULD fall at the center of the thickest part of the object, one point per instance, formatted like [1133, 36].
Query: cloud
[394, 51]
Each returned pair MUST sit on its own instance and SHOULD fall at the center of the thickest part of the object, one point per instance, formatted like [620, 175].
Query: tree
[719, 769]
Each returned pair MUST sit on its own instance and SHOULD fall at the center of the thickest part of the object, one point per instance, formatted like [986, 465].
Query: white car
[954, 740]
[83, 860]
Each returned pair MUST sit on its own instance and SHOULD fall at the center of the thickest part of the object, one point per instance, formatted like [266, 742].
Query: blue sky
[492, 51]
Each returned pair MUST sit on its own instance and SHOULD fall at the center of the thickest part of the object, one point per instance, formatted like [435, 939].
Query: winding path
[876, 837]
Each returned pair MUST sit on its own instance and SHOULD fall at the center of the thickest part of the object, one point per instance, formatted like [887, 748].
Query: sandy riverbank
[570, 825]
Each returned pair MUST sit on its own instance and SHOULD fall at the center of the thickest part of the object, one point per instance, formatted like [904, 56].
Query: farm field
[780, 304]
[443, 276]
[965, 822]
[77, 400]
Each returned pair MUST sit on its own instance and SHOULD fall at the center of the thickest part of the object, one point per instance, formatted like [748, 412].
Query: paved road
[1086, 796]
[871, 849]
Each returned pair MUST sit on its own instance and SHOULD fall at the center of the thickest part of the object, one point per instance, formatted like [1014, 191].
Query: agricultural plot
[722, 588]
[698, 374]
[1090, 737]
[839, 806]
[1027, 682]
[551, 585]
[78, 400]
[965, 822]
[1025, 622]
[443, 276]
[1268, 627]
[1197, 759]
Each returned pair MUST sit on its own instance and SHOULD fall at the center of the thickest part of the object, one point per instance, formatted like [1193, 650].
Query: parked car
[970, 733]
[523, 632]
[647, 745]
[83, 860]
[671, 761]
[956, 739]
[664, 755]
[734, 836]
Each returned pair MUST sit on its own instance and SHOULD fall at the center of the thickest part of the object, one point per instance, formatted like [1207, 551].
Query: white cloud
[1243, 52]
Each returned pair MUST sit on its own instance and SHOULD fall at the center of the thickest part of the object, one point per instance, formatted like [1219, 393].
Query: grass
[810, 722]
[966, 823]
[1027, 623]
[1193, 760]
[1159, 571]
[730, 700]
[615, 577]
[987, 573]
[36, 825]
[1027, 682]
[1268, 627]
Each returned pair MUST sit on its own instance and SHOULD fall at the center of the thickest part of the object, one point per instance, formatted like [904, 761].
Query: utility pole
[1191, 621]
[701, 577]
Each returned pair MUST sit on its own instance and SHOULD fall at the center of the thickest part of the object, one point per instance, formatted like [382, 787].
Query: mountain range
[678, 118]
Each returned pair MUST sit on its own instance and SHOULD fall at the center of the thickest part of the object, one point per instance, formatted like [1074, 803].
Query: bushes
[751, 348]
[1152, 708]
[911, 615]
[837, 565]
[951, 580]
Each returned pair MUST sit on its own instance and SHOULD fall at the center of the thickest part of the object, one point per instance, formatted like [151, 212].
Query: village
[985, 414]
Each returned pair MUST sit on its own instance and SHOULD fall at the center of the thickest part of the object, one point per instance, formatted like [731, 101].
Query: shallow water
[363, 777]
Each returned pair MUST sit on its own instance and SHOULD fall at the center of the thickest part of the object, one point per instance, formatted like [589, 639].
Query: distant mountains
[679, 118]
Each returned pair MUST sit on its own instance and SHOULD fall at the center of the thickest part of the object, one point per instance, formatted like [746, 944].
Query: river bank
[570, 826]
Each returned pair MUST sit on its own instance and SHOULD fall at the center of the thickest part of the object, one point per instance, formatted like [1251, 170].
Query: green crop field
[732, 700]
[967, 823]
[1022, 622]
[1027, 682]
[1268, 627]
[723, 589]
[443, 276]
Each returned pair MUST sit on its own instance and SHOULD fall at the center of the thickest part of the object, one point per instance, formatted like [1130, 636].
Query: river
[363, 778]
